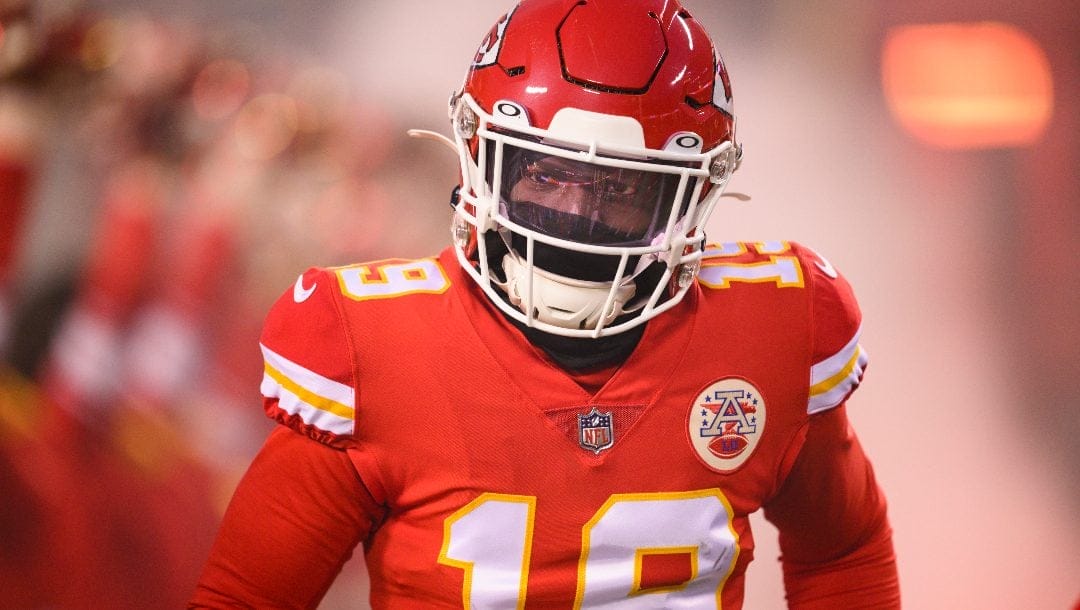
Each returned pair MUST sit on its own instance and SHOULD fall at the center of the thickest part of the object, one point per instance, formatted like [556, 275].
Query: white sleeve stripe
[319, 402]
[309, 380]
[832, 379]
[310, 414]
[828, 395]
[858, 359]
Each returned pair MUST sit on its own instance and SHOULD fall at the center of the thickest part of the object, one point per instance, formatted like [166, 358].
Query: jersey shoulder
[837, 358]
[313, 335]
[308, 374]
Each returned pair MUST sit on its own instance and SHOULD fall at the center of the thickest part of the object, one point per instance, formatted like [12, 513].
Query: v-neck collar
[636, 381]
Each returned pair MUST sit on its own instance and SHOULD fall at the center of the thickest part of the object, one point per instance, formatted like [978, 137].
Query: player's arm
[301, 508]
[835, 539]
[293, 522]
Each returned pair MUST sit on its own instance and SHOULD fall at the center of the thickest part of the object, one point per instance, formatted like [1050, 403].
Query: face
[585, 202]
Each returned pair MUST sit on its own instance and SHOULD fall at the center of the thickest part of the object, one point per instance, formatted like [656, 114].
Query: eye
[615, 189]
[540, 178]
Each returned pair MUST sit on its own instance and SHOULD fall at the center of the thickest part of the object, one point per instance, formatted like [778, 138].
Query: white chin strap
[562, 301]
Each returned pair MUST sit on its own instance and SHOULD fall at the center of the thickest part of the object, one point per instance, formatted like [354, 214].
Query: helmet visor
[585, 202]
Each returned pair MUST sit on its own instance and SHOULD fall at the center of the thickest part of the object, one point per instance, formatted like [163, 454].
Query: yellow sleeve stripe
[319, 401]
[311, 398]
[837, 379]
[832, 379]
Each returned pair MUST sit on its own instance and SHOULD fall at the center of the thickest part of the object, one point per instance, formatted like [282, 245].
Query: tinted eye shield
[620, 201]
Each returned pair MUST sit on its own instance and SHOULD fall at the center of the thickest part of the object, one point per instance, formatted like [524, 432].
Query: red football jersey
[497, 481]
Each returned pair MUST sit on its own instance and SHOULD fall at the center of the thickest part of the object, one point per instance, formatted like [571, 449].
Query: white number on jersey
[491, 539]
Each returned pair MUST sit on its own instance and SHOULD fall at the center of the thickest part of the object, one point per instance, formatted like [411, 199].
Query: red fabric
[470, 439]
[834, 533]
[311, 333]
[292, 524]
[835, 538]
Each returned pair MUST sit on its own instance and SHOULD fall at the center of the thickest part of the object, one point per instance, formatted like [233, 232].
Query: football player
[581, 402]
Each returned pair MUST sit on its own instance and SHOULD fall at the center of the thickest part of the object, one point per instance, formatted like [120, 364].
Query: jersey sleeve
[838, 359]
[293, 523]
[835, 539]
[308, 367]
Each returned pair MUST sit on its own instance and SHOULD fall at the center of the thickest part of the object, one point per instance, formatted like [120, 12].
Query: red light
[967, 85]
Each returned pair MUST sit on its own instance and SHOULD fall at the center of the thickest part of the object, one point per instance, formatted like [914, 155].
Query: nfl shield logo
[594, 431]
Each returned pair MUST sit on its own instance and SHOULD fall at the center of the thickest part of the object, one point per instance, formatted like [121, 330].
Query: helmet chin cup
[562, 301]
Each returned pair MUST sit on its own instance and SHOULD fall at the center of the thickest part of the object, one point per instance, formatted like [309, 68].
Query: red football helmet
[594, 138]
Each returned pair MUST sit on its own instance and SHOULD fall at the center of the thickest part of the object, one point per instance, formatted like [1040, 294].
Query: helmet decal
[488, 53]
[722, 88]
[684, 141]
[511, 111]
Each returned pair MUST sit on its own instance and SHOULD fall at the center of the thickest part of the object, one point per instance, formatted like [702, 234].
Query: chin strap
[435, 136]
[739, 196]
[563, 301]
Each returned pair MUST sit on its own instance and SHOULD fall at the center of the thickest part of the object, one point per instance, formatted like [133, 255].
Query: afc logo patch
[725, 423]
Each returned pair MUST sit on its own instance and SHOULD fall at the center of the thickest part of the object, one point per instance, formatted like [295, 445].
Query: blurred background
[167, 169]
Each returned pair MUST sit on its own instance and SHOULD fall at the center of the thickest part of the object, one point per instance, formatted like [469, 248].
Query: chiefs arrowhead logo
[488, 53]
[722, 98]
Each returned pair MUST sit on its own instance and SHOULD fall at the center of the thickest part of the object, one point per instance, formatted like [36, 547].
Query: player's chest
[713, 406]
[641, 493]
